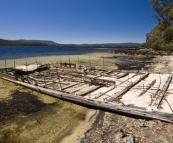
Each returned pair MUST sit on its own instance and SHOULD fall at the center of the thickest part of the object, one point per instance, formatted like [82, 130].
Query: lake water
[15, 52]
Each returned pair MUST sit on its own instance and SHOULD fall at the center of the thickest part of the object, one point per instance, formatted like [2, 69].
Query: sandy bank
[52, 123]
[92, 59]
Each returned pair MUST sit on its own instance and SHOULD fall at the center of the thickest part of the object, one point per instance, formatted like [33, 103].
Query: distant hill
[126, 45]
[113, 45]
[23, 42]
[4, 42]
[47, 42]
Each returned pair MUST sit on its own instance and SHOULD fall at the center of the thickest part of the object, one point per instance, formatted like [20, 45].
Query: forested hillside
[20, 43]
[161, 36]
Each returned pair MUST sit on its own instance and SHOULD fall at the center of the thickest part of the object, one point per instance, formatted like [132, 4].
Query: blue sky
[76, 21]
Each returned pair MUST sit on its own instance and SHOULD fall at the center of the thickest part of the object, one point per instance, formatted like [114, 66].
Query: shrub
[158, 45]
[143, 45]
[168, 34]
[169, 47]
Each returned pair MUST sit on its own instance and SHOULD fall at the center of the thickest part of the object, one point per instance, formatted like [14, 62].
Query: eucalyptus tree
[164, 11]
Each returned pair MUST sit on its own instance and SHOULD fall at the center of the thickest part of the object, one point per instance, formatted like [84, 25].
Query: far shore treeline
[4, 42]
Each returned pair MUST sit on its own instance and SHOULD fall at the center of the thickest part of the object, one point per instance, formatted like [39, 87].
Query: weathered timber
[75, 89]
[169, 105]
[161, 93]
[113, 107]
[129, 77]
[164, 114]
[71, 78]
[7, 76]
[29, 68]
[70, 85]
[128, 87]
[148, 87]
[100, 92]
[110, 71]
[67, 64]
[125, 74]
[88, 90]
[51, 82]
[40, 80]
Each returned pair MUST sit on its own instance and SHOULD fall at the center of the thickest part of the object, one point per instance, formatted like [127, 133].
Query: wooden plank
[101, 91]
[120, 86]
[125, 74]
[161, 93]
[148, 87]
[74, 89]
[130, 76]
[88, 90]
[128, 87]
[70, 85]
[113, 107]
[3, 75]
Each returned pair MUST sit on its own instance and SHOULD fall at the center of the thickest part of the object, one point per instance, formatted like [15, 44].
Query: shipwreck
[129, 92]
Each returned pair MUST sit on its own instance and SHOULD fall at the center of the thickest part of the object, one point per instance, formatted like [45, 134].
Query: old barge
[135, 93]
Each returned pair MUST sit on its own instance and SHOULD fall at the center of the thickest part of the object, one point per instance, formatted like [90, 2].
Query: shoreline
[93, 59]
[89, 130]
[107, 127]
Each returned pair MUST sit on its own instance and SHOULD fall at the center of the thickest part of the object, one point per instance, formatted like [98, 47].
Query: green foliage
[164, 11]
[156, 30]
[168, 34]
[169, 47]
[143, 45]
[158, 45]
[161, 36]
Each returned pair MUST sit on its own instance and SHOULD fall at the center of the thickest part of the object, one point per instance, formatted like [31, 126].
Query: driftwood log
[95, 103]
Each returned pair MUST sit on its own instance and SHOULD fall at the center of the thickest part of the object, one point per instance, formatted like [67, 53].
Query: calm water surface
[14, 52]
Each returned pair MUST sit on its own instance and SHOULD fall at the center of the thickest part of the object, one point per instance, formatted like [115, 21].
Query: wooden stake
[26, 67]
[103, 62]
[5, 66]
[69, 59]
[14, 64]
[90, 61]
[58, 78]
[26, 72]
[36, 63]
[78, 60]
[60, 59]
